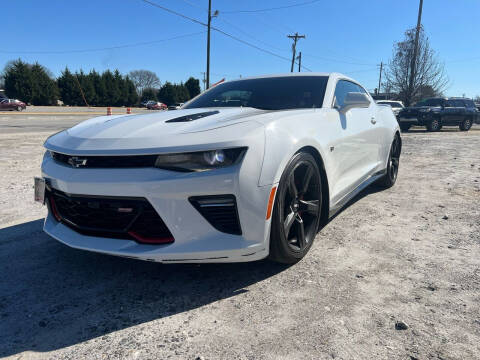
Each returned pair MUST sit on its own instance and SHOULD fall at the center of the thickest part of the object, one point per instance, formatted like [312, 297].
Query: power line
[336, 60]
[104, 48]
[174, 12]
[221, 32]
[271, 9]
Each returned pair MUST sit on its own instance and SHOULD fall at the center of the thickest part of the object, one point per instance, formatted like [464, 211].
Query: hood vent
[192, 117]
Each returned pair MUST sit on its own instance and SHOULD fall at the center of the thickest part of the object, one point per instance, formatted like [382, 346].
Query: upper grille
[128, 161]
[113, 217]
[220, 211]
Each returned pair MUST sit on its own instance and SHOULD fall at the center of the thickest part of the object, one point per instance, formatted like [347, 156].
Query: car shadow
[52, 296]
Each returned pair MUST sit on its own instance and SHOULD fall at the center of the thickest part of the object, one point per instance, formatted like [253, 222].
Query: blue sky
[347, 36]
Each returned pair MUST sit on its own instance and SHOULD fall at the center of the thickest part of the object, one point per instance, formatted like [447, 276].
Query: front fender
[282, 140]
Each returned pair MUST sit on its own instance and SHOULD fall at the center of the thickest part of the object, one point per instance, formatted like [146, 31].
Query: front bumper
[196, 240]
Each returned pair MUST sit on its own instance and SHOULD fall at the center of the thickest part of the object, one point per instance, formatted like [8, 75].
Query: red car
[157, 106]
[11, 104]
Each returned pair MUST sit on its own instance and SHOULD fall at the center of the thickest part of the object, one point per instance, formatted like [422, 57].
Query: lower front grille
[220, 211]
[112, 217]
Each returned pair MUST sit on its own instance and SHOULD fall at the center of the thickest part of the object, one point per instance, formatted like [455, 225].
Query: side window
[458, 103]
[449, 103]
[469, 103]
[343, 87]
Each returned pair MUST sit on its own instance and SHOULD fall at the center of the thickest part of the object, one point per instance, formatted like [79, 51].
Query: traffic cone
[109, 110]
[129, 111]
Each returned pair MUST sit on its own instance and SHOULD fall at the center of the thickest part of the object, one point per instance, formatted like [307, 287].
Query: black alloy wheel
[297, 211]
[393, 164]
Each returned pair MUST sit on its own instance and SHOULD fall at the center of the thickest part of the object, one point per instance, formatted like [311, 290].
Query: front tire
[297, 211]
[393, 164]
[405, 127]
[434, 125]
[466, 124]
[19, 108]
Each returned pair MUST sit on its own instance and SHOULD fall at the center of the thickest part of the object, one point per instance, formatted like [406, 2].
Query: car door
[3, 104]
[450, 112]
[356, 150]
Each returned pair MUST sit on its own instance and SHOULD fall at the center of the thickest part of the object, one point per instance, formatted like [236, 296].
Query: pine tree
[193, 87]
[69, 92]
[18, 81]
[149, 94]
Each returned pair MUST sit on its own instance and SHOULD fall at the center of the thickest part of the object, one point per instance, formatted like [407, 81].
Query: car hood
[155, 132]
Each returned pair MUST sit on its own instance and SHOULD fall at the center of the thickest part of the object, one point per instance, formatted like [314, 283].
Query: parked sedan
[12, 104]
[156, 106]
[247, 170]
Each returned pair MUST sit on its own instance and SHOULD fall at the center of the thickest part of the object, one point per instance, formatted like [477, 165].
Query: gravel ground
[404, 258]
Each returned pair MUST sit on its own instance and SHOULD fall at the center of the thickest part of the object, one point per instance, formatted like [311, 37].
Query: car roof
[297, 74]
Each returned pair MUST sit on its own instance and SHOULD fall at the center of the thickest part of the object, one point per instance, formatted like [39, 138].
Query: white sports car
[249, 169]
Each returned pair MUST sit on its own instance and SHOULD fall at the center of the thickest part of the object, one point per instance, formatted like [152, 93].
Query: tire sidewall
[277, 234]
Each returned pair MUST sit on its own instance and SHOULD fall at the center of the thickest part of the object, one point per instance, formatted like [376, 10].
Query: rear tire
[405, 127]
[466, 124]
[297, 211]
[393, 164]
[434, 125]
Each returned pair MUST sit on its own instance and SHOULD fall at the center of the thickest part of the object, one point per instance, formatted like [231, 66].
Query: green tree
[130, 92]
[30, 83]
[193, 87]
[181, 93]
[18, 81]
[167, 94]
[149, 94]
[112, 92]
[68, 88]
[44, 89]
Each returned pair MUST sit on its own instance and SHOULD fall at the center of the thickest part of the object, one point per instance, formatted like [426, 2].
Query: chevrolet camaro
[248, 169]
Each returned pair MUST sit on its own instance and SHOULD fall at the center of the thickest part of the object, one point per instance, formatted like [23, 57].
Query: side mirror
[355, 100]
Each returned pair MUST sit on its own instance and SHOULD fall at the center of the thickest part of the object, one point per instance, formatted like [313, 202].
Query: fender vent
[192, 117]
[220, 211]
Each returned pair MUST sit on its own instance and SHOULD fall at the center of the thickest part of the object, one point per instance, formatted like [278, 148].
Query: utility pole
[415, 50]
[204, 80]
[299, 58]
[210, 17]
[208, 42]
[294, 46]
[380, 77]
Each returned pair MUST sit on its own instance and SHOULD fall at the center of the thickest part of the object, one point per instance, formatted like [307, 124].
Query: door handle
[373, 121]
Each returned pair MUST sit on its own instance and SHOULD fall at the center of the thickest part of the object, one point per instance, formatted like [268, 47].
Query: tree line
[35, 85]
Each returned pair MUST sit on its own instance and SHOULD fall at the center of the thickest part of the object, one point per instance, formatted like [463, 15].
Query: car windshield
[275, 93]
[430, 102]
[391, 103]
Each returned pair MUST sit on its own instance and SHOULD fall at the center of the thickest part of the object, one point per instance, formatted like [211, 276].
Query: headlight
[425, 110]
[200, 160]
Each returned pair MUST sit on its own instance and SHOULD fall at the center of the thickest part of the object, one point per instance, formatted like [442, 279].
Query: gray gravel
[388, 258]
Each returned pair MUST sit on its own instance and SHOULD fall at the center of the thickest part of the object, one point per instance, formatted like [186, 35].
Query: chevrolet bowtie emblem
[77, 162]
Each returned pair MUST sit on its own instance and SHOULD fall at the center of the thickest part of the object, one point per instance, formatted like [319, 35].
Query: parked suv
[434, 113]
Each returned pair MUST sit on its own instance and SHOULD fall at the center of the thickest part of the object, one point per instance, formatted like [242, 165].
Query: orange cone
[109, 110]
